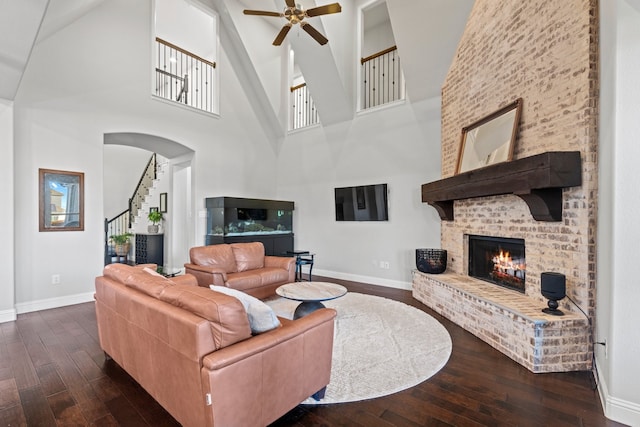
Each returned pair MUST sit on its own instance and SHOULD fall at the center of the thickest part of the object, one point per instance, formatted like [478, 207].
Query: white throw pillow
[261, 316]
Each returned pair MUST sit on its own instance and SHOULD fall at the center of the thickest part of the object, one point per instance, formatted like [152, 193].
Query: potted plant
[122, 243]
[155, 217]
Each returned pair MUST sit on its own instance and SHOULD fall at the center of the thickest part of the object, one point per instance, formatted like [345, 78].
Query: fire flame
[503, 263]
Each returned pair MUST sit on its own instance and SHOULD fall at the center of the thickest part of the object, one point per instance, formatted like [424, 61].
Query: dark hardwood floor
[53, 372]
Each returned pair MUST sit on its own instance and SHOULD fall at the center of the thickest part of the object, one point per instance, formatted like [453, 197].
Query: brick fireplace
[547, 54]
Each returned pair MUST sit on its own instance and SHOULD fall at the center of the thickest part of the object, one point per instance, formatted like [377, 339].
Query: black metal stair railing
[121, 223]
[382, 79]
[304, 111]
[184, 77]
[142, 189]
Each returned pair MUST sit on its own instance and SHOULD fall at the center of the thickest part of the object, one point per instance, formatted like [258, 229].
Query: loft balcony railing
[382, 79]
[184, 77]
[303, 111]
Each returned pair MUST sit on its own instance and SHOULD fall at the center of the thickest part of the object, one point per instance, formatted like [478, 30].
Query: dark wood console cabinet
[150, 249]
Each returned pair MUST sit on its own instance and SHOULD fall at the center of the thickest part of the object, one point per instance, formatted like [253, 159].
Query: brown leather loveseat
[240, 266]
[192, 349]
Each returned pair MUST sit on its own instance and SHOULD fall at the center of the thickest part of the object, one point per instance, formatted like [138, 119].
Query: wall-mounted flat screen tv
[362, 203]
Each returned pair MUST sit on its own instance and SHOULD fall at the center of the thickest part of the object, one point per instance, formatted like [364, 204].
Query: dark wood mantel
[538, 180]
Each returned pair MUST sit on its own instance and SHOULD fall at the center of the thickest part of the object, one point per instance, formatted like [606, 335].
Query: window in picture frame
[61, 200]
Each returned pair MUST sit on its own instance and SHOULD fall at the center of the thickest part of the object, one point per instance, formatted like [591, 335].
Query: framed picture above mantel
[491, 139]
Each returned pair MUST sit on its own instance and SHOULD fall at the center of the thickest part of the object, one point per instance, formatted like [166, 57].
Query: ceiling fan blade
[324, 10]
[281, 35]
[290, 3]
[314, 33]
[262, 13]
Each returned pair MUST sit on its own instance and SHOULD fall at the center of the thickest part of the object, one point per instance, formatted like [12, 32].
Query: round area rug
[381, 346]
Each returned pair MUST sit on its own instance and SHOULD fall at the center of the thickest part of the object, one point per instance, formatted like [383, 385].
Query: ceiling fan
[295, 15]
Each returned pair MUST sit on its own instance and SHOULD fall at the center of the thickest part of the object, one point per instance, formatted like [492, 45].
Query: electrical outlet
[381, 265]
[55, 279]
[386, 265]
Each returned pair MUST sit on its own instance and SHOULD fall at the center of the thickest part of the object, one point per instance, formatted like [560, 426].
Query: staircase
[150, 198]
[134, 220]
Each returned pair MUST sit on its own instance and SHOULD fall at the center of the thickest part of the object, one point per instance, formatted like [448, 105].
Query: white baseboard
[8, 315]
[46, 304]
[615, 409]
[364, 279]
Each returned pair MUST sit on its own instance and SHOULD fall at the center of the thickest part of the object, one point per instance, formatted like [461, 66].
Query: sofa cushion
[244, 280]
[273, 275]
[261, 316]
[226, 315]
[220, 256]
[120, 272]
[248, 256]
[153, 272]
[150, 284]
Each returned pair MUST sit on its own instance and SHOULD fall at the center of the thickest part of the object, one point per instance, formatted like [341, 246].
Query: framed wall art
[61, 206]
[491, 139]
[163, 202]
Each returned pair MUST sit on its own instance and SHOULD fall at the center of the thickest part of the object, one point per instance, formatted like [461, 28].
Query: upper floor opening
[185, 51]
[380, 76]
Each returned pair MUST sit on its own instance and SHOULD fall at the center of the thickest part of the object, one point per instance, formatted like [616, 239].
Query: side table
[302, 258]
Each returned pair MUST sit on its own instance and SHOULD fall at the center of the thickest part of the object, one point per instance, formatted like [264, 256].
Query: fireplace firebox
[498, 260]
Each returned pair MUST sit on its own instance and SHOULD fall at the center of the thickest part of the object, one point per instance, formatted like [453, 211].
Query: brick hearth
[510, 322]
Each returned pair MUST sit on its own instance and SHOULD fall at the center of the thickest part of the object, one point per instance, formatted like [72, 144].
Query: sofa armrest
[267, 340]
[185, 279]
[256, 381]
[206, 275]
[286, 263]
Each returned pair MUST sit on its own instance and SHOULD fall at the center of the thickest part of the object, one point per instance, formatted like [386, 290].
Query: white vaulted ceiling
[426, 33]
[19, 25]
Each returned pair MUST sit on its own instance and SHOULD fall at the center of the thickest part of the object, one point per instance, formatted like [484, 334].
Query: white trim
[379, 107]
[46, 304]
[8, 315]
[305, 128]
[364, 279]
[615, 409]
[184, 106]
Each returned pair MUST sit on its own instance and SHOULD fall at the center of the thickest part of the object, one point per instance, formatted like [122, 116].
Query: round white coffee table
[311, 295]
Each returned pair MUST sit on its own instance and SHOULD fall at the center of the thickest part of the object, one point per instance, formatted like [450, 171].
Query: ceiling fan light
[295, 14]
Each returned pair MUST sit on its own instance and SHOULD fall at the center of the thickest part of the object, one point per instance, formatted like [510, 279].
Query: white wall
[270, 62]
[399, 146]
[62, 126]
[618, 292]
[7, 311]
[377, 39]
[187, 26]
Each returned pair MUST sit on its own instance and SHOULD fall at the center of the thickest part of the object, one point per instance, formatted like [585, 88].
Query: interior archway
[126, 154]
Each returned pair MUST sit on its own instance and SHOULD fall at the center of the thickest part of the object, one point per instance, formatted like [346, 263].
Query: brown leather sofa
[191, 348]
[241, 266]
